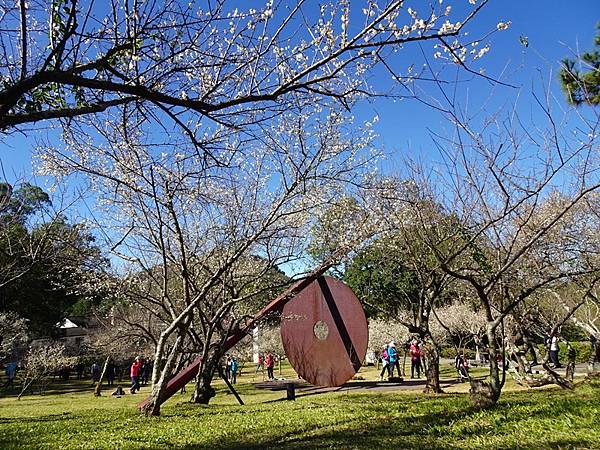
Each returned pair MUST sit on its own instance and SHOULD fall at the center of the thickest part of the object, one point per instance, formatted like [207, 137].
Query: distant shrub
[450, 352]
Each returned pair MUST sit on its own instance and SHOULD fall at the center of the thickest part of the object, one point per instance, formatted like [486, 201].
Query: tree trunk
[152, 408]
[485, 394]
[98, 388]
[26, 385]
[203, 391]
[518, 355]
[594, 355]
[524, 378]
[432, 368]
[572, 356]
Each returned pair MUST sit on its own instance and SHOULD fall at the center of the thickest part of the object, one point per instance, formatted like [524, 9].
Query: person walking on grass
[145, 372]
[95, 373]
[385, 362]
[415, 359]
[11, 373]
[270, 363]
[554, 349]
[80, 368]
[135, 375]
[461, 364]
[110, 373]
[393, 356]
[260, 365]
[234, 368]
[227, 372]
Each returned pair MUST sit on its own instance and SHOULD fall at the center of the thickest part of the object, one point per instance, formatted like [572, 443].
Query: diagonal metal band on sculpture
[324, 332]
[323, 328]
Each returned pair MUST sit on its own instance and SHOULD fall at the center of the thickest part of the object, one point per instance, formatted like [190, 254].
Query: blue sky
[553, 28]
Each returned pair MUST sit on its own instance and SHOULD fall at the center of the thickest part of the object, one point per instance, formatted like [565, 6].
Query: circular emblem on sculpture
[324, 332]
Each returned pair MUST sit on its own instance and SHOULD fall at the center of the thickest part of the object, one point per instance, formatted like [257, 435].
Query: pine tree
[580, 78]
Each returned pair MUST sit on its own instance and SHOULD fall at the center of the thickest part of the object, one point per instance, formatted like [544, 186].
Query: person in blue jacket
[393, 355]
[11, 373]
[234, 368]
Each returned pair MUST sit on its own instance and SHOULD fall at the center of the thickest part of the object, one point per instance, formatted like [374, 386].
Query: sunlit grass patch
[534, 419]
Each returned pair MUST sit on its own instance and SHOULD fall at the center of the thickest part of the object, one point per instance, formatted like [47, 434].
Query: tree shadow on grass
[420, 432]
[37, 419]
[54, 387]
[400, 421]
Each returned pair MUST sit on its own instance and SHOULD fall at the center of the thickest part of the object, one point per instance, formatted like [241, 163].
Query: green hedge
[449, 352]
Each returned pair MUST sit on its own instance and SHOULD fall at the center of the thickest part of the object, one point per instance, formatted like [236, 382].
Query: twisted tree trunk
[203, 391]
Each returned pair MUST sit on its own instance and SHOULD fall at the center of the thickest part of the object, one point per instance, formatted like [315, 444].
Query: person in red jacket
[415, 359]
[135, 375]
[270, 363]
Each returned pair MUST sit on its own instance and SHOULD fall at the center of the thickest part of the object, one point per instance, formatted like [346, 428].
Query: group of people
[140, 369]
[390, 360]
[231, 368]
[264, 362]
[268, 362]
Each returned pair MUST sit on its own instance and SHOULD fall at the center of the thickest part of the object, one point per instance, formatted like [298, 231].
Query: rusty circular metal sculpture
[324, 332]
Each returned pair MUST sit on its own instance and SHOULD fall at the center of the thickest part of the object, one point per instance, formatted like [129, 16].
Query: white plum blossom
[482, 51]
[503, 25]
[447, 27]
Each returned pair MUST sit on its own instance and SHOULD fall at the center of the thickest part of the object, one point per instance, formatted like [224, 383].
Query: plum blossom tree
[211, 134]
[202, 234]
[14, 335]
[577, 299]
[462, 324]
[571, 245]
[186, 64]
[382, 331]
[41, 361]
[397, 274]
[587, 318]
[513, 227]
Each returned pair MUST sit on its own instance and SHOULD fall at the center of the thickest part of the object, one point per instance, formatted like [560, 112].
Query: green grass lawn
[68, 416]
